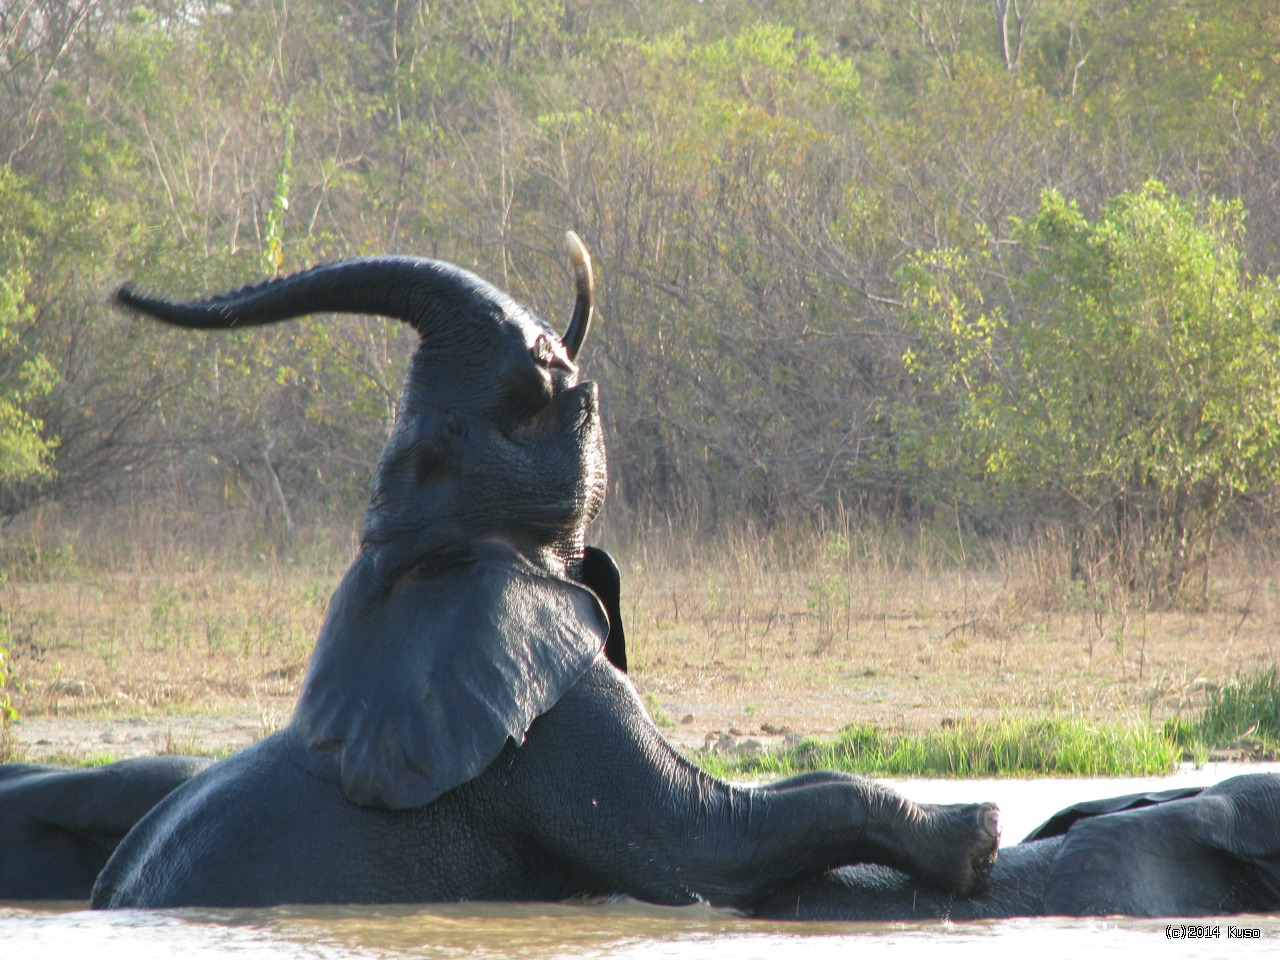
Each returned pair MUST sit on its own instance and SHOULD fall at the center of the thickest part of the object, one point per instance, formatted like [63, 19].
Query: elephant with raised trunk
[459, 734]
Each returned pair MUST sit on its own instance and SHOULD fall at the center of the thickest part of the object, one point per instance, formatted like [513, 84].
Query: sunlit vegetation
[868, 269]
[1242, 714]
[913, 631]
[879, 252]
[1011, 747]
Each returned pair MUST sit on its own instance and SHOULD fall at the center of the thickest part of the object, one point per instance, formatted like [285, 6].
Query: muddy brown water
[627, 929]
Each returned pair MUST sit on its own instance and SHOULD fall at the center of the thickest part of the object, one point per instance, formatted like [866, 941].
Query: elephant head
[461, 619]
[495, 437]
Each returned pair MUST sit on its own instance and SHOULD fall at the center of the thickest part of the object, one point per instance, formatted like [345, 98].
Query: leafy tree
[1125, 372]
[749, 175]
[26, 452]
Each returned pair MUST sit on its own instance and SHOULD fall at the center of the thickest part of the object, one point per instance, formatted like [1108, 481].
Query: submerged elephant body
[59, 826]
[1181, 852]
[1187, 853]
[1014, 888]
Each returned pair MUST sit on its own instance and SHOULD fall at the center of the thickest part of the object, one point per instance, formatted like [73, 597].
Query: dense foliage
[784, 199]
[1123, 372]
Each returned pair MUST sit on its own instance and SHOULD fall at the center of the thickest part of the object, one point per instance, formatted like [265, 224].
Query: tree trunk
[1011, 46]
[279, 488]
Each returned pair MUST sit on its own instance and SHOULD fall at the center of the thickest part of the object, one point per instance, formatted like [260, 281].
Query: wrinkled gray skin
[458, 734]
[1213, 853]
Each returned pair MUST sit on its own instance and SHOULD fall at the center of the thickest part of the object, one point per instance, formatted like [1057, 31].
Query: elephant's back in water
[256, 830]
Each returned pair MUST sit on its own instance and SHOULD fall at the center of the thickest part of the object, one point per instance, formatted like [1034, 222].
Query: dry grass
[127, 616]
[754, 635]
[909, 630]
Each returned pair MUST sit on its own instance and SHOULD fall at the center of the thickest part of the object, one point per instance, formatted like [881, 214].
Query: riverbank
[143, 641]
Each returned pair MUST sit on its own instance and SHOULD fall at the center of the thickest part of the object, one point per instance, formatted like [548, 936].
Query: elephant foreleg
[602, 792]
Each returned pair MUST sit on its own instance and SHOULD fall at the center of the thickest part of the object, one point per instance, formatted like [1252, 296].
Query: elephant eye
[452, 427]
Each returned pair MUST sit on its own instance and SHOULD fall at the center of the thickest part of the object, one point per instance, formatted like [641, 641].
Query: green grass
[60, 758]
[656, 713]
[1244, 712]
[1055, 746]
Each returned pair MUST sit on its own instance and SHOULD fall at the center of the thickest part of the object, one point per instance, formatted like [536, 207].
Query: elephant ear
[1210, 854]
[601, 574]
[415, 689]
[1062, 821]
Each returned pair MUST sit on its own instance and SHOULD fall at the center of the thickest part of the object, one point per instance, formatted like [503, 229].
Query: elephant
[1182, 852]
[460, 732]
[59, 825]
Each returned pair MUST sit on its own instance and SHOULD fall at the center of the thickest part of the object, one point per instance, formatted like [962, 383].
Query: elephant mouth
[574, 408]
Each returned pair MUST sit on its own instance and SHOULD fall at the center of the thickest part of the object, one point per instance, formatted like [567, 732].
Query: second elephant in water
[1176, 853]
[459, 734]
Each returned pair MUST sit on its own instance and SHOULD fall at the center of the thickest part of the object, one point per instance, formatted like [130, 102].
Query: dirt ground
[703, 693]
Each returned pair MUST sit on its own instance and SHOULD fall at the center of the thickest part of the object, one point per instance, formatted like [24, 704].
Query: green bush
[1247, 708]
[1120, 373]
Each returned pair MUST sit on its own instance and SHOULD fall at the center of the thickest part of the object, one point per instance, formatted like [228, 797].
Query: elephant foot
[953, 846]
